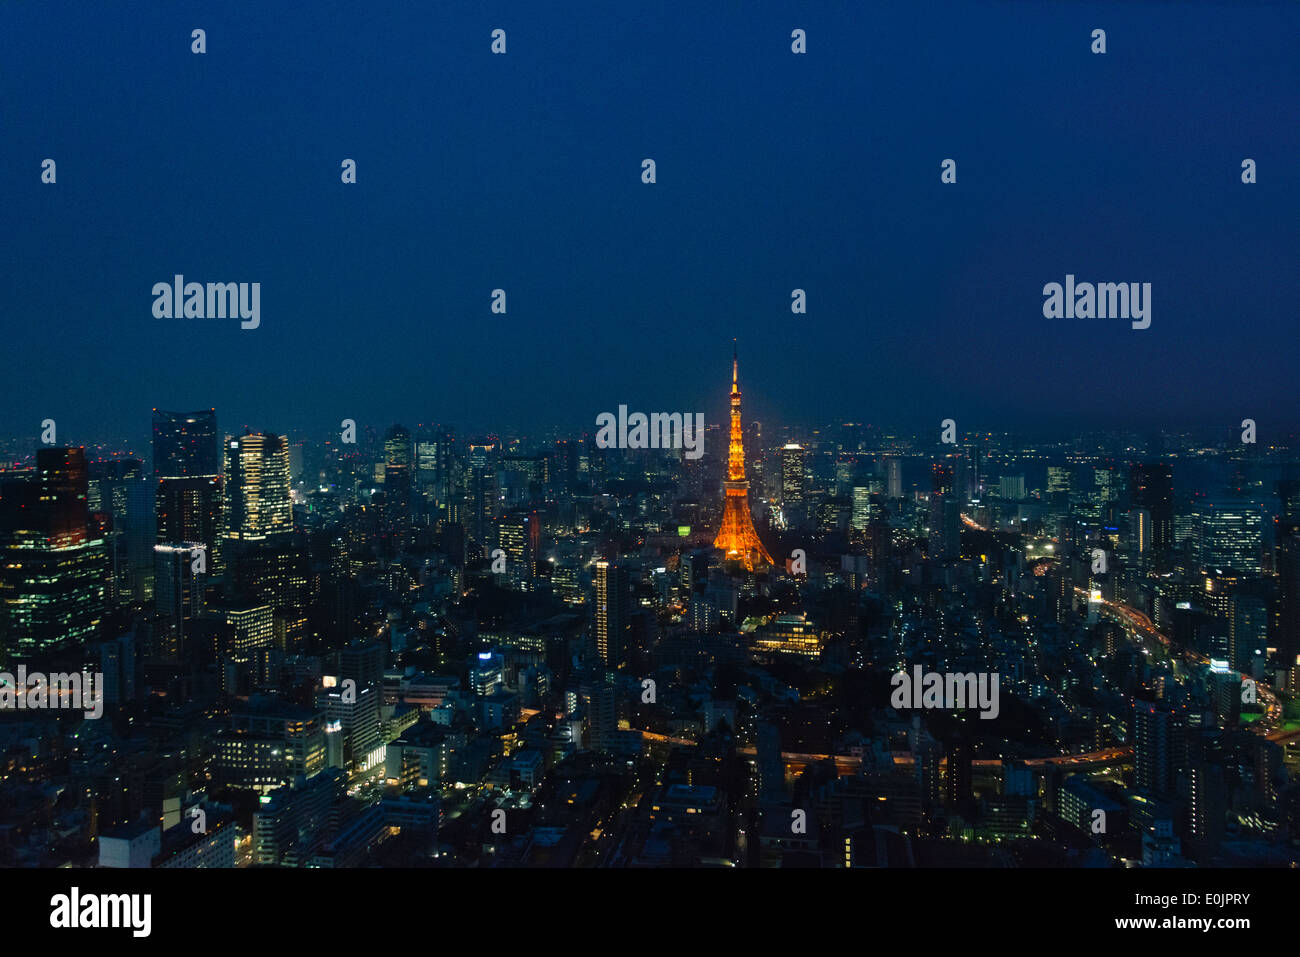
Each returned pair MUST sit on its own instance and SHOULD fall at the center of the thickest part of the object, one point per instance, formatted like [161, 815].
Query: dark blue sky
[775, 171]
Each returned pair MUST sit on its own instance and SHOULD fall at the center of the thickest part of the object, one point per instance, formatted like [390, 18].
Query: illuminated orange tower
[737, 537]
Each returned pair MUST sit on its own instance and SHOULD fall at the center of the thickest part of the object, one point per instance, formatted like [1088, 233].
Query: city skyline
[438, 638]
[1271, 432]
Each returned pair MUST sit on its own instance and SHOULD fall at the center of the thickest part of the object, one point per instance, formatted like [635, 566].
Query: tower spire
[737, 537]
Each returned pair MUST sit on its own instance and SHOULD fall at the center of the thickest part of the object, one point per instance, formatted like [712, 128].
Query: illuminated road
[798, 761]
[1101, 758]
[1139, 622]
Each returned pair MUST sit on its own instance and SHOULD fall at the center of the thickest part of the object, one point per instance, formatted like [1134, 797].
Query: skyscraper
[187, 477]
[1286, 618]
[140, 529]
[1059, 480]
[894, 477]
[246, 640]
[257, 487]
[1152, 488]
[397, 487]
[792, 481]
[189, 510]
[266, 564]
[612, 612]
[482, 495]
[179, 581]
[112, 485]
[435, 453]
[861, 508]
[737, 537]
[185, 444]
[1229, 536]
[63, 479]
[519, 536]
[53, 570]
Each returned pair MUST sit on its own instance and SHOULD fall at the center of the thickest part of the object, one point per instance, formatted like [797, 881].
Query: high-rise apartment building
[612, 612]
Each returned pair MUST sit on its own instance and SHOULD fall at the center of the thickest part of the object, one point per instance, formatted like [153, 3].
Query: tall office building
[258, 506]
[426, 461]
[189, 510]
[185, 444]
[54, 566]
[482, 496]
[246, 643]
[1012, 487]
[525, 478]
[563, 468]
[291, 823]
[266, 563]
[737, 538]
[894, 477]
[792, 478]
[519, 536]
[861, 508]
[1105, 493]
[1151, 487]
[1058, 480]
[945, 526]
[398, 485]
[187, 480]
[435, 453]
[1247, 629]
[1286, 617]
[180, 577]
[963, 478]
[1229, 536]
[1138, 538]
[942, 481]
[62, 489]
[109, 491]
[140, 534]
[612, 612]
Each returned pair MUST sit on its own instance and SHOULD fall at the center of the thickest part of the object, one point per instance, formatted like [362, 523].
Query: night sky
[523, 171]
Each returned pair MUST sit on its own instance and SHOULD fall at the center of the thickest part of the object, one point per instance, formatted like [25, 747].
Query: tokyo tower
[737, 537]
